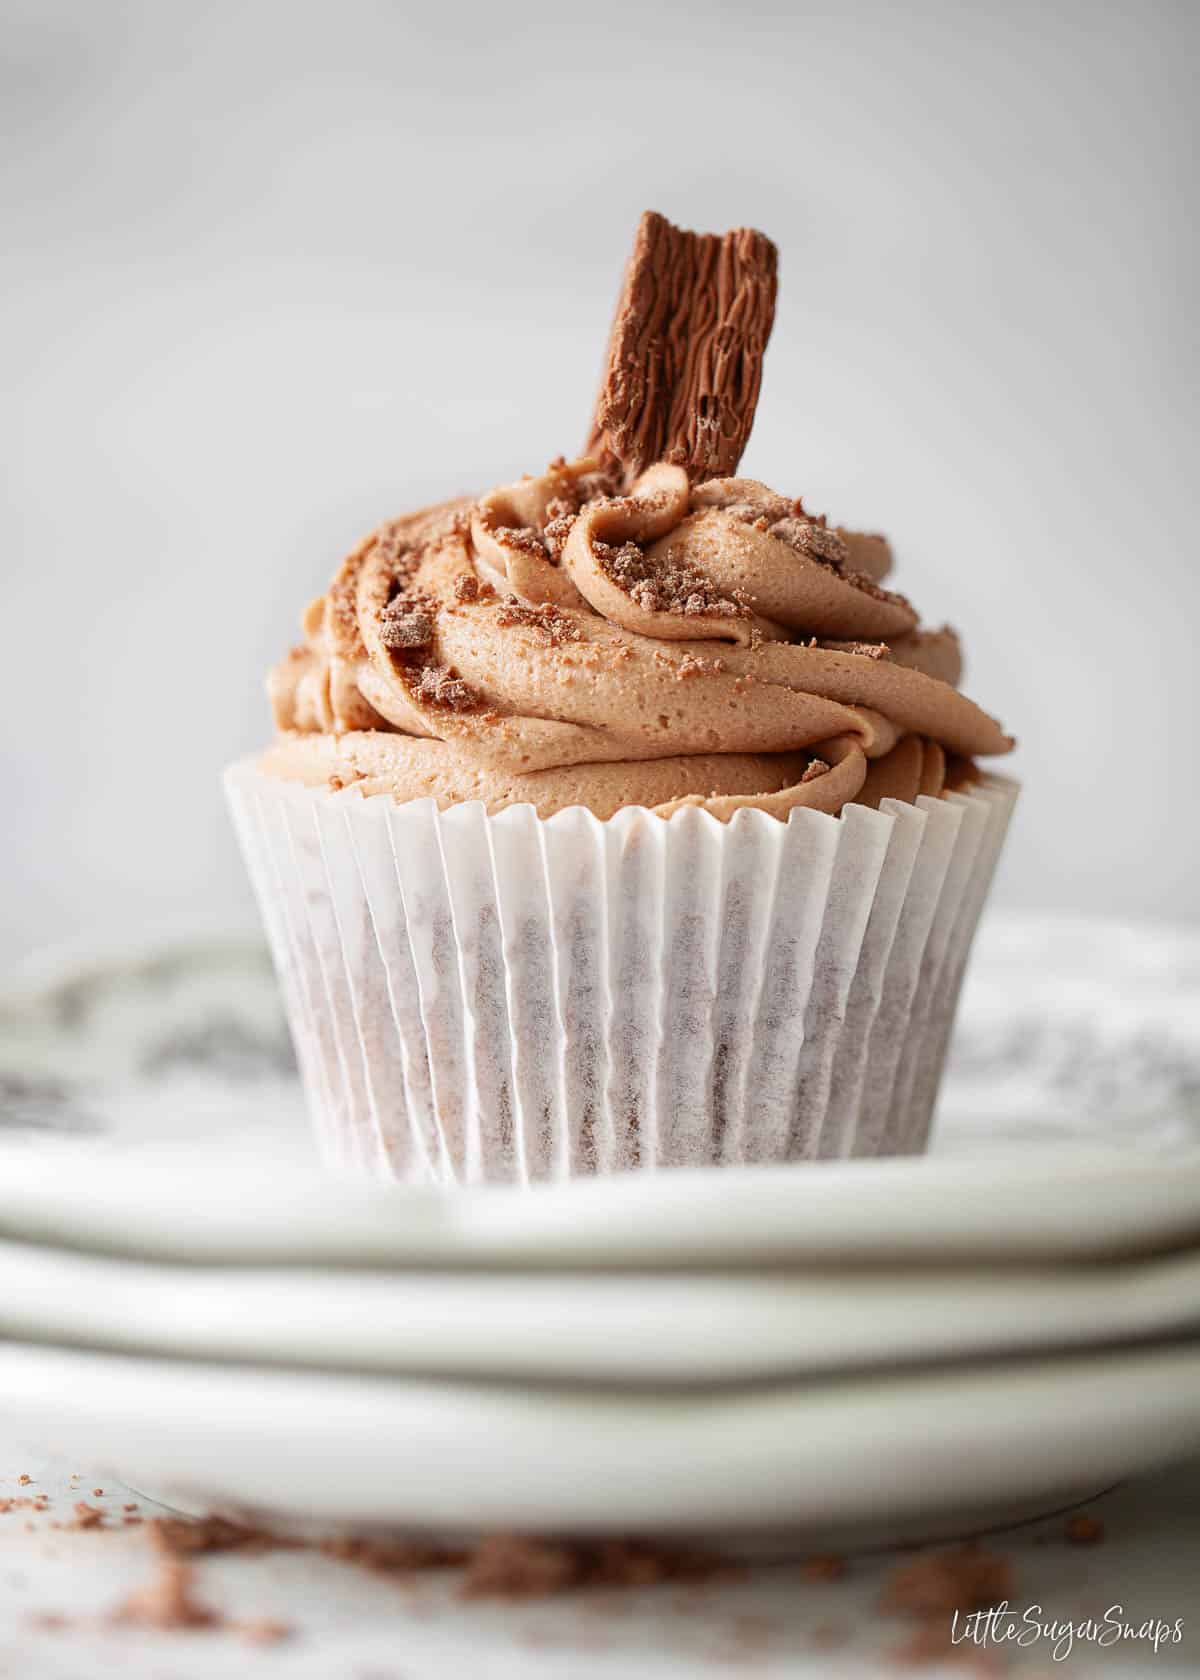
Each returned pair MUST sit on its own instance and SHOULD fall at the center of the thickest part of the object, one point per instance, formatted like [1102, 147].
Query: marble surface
[344, 1623]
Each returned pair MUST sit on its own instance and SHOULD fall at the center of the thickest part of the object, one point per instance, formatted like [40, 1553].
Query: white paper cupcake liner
[507, 998]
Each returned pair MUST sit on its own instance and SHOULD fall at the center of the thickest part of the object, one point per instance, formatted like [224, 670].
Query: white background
[274, 272]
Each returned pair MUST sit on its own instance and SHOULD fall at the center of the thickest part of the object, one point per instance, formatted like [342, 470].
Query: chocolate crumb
[525, 538]
[556, 533]
[468, 588]
[823, 1566]
[552, 626]
[24, 1480]
[667, 587]
[506, 1566]
[816, 541]
[868, 650]
[401, 629]
[964, 1578]
[167, 1602]
[515, 1566]
[262, 1630]
[391, 1556]
[439, 685]
[180, 1537]
[87, 1516]
[1084, 1530]
[49, 1621]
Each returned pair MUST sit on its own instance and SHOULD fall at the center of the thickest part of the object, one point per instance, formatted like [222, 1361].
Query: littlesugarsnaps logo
[1003, 1625]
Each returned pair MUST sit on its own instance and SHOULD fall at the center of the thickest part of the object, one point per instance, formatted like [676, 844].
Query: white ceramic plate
[835, 1456]
[614, 1328]
[1037, 1204]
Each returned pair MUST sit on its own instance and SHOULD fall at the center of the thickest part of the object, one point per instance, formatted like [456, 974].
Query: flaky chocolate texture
[684, 364]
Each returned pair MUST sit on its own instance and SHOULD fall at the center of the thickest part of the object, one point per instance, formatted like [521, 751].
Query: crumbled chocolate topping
[467, 589]
[868, 650]
[525, 538]
[403, 628]
[407, 628]
[667, 587]
[440, 685]
[549, 623]
[401, 549]
[816, 541]
[556, 533]
[695, 665]
[684, 361]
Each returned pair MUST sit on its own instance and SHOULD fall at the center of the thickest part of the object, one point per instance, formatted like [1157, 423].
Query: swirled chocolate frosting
[617, 633]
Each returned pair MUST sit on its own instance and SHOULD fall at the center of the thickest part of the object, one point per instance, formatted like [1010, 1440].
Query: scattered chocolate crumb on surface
[508, 1566]
[516, 1566]
[1084, 1530]
[385, 1555]
[48, 1621]
[180, 1537]
[262, 1630]
[828, 1636]
[965, 1578]
[168, 1602]
[684, 361]
[823, 1566]
[87, 1516]
[24, 1480]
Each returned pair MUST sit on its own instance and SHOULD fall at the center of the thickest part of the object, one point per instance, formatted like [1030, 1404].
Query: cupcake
[624, 817]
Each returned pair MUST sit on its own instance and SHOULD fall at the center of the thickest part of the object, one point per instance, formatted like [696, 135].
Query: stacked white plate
[846, 1351]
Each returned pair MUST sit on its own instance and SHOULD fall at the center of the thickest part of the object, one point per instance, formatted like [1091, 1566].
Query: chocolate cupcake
[622, 816]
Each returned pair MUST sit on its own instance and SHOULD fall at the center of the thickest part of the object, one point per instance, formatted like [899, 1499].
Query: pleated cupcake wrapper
[507, 998]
